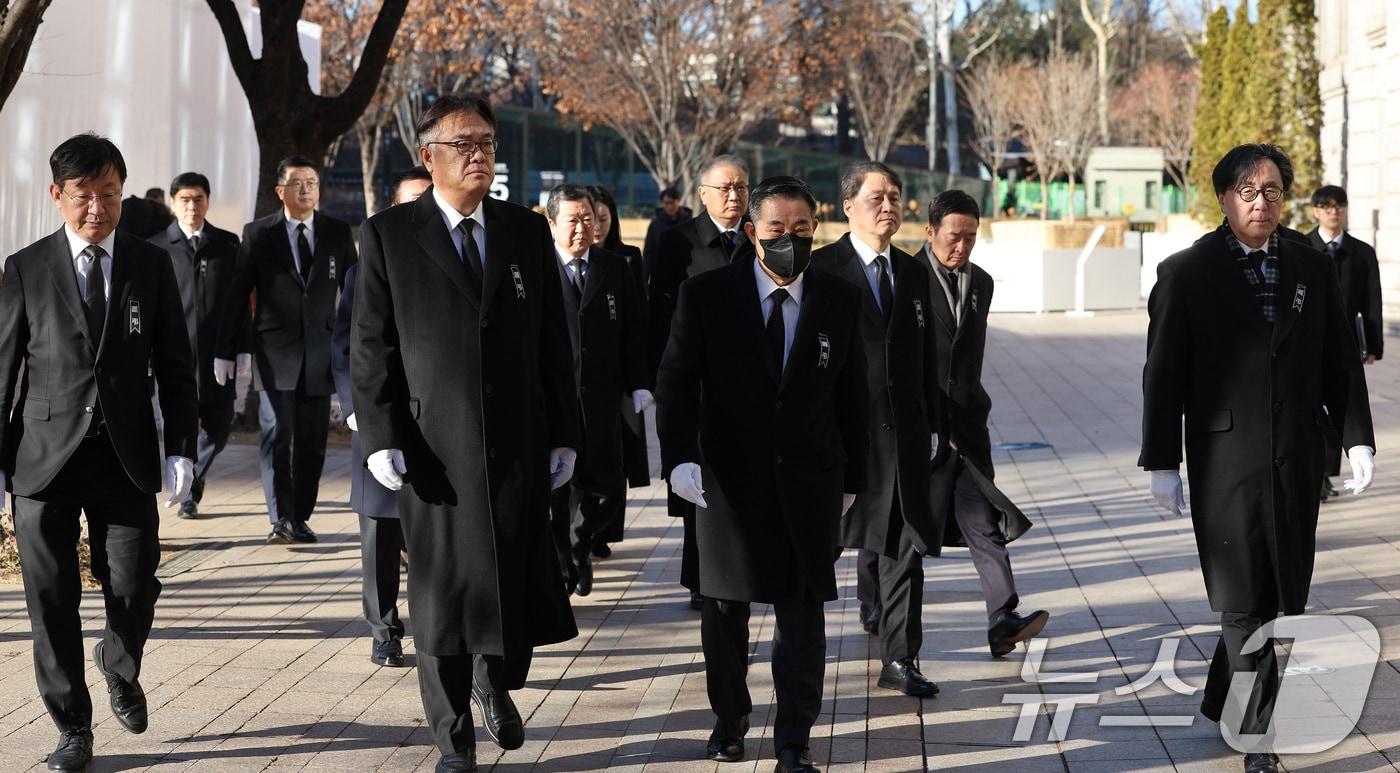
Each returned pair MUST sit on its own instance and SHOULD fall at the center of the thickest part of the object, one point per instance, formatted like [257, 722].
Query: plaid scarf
[1265, 288]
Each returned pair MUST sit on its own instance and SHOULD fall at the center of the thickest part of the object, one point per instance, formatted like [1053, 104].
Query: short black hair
[451, 104]
[565, 192]
[854, 176]
[83, 156]
[1330, 194]
[781, 187]
[294, 162]
[1231, 170]
[952, 202]
[416, 173]
[669, 192]
[189, 180]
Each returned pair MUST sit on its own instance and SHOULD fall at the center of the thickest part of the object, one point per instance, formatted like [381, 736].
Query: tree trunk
[369, 139]
[1044, 199]
[18, 25]
[996, 196]
[931, 130]
[843, 126]
[1069, 200]
[1103, 86]
[950, 97]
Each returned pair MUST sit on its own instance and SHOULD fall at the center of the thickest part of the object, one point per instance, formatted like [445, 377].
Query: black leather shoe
[301, 533]
[727, 740]
[795, 759]
[128, 700]
[388, 653]
[74, 751]
[583, 564]
[197, 490]
[1009, 629]
[281, 534]
[601, 550]
[500, 716]
[904, 676]
[188, 510]
[460, 762]
[1260, 763]
[697, 602]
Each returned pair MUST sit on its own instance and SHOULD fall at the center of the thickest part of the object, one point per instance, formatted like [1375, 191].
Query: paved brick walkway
[259, 658]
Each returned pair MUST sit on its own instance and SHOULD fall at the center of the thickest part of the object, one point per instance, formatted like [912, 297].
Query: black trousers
[1235, 629]
[580, 518]
[215, 425]
[979, 523]
[799, 664]
[381, 539]
[445, 683]
[690, 553]
[123, 532]
[292, 450]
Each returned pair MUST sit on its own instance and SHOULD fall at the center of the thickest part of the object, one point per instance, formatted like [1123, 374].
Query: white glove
[244, 361]
[642, 400]
[561, 466]
[4, 498]
[179, 476]
[350, 422]
[933, 446]
[846, 501]
[387, 467]
[1363, 466]
[223, 371]
[685, 481]
[1166, 489]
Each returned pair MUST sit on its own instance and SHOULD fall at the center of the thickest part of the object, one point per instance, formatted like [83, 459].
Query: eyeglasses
[1271, 194]
[725, 190]
[85, 200]
[468, 147]
[308, 185]
[1330, 207]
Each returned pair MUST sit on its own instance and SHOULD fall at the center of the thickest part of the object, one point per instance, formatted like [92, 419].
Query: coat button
[887, 426]
[491, 452]
[1278, 461]
[952, 381]
[779, 405]
[87, 409]
[97, 370]
[1278, 407]
[485, 323]
[583, 390]
[778, 459]
[583, 350]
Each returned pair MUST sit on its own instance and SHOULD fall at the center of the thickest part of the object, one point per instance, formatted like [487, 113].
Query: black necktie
[1256, 261]
[953, 291]
[95, 299]
[580, 274]
[1332, 248]
[886, 288]
[194, 242]
[471, 256]
[728, 237]
[304, 252]
[777, 331]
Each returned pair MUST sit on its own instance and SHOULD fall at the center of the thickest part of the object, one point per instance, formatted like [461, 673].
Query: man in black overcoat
[203, 257]
[709, 241]
[762, 400]
[1249, 341]
[381, 539]
[294, 261]
[84, 312]
[464, 398]
[962, 482]
[608, 341]
[891, 522]
[1359, 274]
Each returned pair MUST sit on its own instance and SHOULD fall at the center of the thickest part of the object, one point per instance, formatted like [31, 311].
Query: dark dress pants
[901, 584]
[381, 539]
[580, 518]
[867, 582]
[215, 425]
[980, 526]
[1235, 629]
[690, 552]
[799, 664]
[445, 683]
[292, 450]
[123, 532]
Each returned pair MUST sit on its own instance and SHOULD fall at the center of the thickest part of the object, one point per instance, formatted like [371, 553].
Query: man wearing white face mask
[761, 413]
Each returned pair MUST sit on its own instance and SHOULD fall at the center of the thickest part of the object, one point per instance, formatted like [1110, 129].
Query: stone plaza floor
[259, 657]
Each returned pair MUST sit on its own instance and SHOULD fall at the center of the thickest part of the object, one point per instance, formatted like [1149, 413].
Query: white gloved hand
[387, 467]
[1363, 466]
[350, 422]
[642, 400]
[223, 371]
[244, 362]
[933, 446]
[561, 466]
[685, 481]
[846, 501]
[4, 498]
[179, 476]
[1166, 489]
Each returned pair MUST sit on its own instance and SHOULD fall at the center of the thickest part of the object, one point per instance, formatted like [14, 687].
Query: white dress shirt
[292, 224]
[76, 245]
[868, 255]
[791, 307]
[733, 232]
[1327, 238]
[567, 261]
[200, 233]
[452, 217]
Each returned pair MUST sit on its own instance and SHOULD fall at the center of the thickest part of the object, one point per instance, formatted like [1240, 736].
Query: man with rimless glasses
[1248, 340]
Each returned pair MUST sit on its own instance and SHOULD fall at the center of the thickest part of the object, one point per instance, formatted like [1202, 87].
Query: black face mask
[788, 255]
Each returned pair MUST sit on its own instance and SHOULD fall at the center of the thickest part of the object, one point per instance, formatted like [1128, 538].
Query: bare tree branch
[19, 22]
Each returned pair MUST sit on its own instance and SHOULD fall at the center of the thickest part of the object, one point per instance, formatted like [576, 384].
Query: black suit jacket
[474, 389]
[292, 322]
[1359, 273]
[1253, 396]
[204, 279]
[608, 341]
[367, 495]
[66, 373]
[776, 451]
[901, 381]
[689, 249]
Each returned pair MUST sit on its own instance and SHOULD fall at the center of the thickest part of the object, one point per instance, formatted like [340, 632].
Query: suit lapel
[596, 275]
[852, 268]
[1287, 313]
[903, 292]
[940, 298]
[284, 246]
[810, 313]
[571, 299]
[437, 242]
[496, 258]
[753, 327]
[118, 295]
[65, 280]
[1234, 290]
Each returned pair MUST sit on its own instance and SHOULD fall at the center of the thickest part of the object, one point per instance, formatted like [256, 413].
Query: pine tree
[1239, 92]
[1212, 114]
[1302, 120]
[1266, 90]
